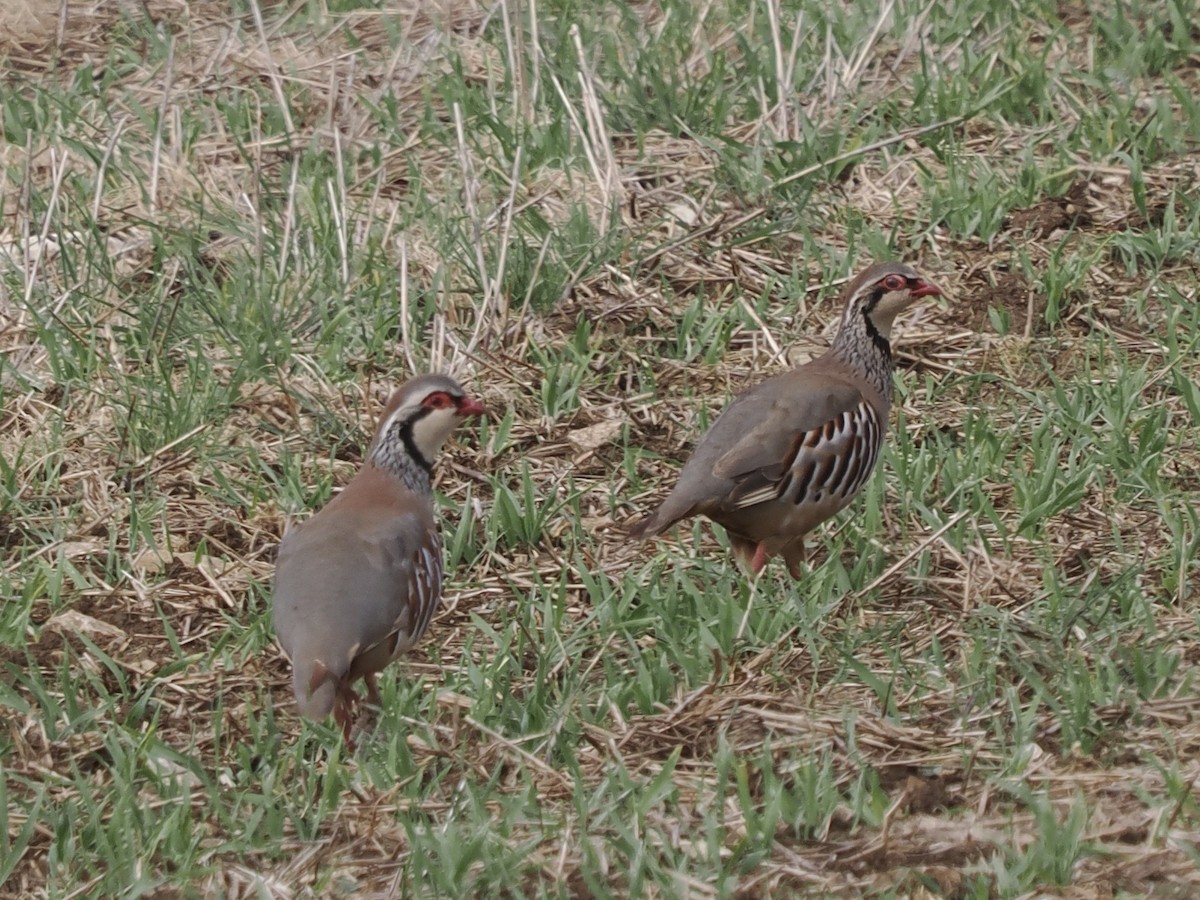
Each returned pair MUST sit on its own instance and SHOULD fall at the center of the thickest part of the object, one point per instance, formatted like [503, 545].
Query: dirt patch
[999, 291]
[1044, 218]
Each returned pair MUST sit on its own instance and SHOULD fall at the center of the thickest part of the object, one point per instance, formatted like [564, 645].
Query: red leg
[372, 690]
[345, 721]
[759, 560]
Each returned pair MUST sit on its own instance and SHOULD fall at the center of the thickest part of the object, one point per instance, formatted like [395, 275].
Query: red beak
[469, 407]
[926, 289]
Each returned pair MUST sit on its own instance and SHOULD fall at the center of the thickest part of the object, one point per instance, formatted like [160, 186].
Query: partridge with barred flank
[794, 450]
[357, 584]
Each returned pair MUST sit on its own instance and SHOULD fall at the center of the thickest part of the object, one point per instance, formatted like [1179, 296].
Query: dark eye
[439, 400]
[894, 283]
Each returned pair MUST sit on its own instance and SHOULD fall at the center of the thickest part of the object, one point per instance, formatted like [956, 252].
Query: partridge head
[794, 450]
[357, 584]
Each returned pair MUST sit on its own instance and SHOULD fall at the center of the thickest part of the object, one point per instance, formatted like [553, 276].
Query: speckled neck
[860, 346]
[396, 454]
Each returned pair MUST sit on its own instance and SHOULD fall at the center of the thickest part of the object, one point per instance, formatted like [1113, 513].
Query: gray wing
[415, 610]
[754, 441]
[825, 467]
[804, 428]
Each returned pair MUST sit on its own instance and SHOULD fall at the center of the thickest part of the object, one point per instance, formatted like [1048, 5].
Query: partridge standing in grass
[793, 451]
[358, 583]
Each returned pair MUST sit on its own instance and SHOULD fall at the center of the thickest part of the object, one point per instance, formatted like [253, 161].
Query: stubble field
[227, 230]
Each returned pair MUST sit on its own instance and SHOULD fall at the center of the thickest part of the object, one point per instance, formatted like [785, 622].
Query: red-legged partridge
[357, 584]
[794, 450]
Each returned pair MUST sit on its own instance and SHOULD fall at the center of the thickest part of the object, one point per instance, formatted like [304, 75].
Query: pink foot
[760, 559]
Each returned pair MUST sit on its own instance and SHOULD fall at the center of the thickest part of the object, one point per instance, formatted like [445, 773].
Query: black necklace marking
[410, 445]
[880, 342]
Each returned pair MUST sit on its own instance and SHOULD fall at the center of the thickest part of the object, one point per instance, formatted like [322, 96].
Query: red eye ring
[894, 283]
[438, 400]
